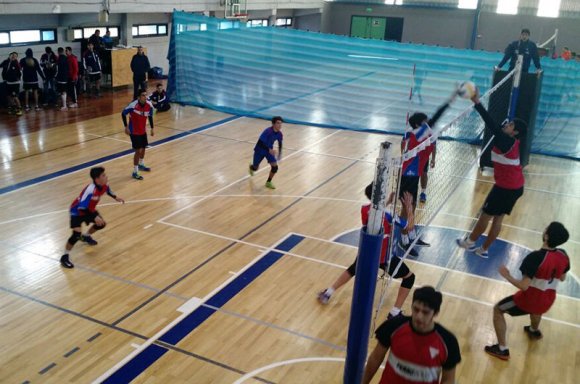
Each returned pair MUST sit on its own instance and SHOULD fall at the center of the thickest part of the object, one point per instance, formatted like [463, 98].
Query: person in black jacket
[92, 69]
[12, 73]
[30, 71]
[159, 99]
[140, 67]
[524, 46]
[48, 64]
[62, 77]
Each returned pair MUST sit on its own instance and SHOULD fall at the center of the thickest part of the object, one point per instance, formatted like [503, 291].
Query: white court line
[256, 372]
[120, 157]
[108, 138]
[155, 337]
[243, 178]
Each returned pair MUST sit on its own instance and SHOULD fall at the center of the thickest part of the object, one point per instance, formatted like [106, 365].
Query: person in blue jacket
[524, 46]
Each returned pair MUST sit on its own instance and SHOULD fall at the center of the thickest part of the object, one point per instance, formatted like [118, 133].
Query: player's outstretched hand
[152, 132]
[120, 200]
[475, 97]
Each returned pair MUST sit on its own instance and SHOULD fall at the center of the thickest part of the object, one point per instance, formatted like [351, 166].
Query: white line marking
[153, 338]
[135, 345]
[148, 226]
[256, 372]
[190, 305]
[108, 138]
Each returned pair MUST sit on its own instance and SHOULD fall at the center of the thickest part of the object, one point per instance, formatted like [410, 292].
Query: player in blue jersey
[265, 148]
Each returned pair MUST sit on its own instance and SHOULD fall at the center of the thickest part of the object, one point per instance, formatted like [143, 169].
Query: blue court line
[88, 164]
[153, 352]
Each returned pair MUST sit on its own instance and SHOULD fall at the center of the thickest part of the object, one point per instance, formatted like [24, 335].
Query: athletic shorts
[139, 141]
[410, 184]
[61, 87]
[76, 221]
[501, 201]
[508, 306]
[94, 77]
[402, 272]
[259, 155]
[30, 86]
[13, 89]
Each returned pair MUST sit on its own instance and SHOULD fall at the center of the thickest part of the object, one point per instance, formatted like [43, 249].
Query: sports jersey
[30, 70]
[48, 63]
[416, 357]
[415, 165]
[139, 113]
[89, 198]
[545, 268]
[267, 139]
[73, 67]
[387, 220]
[11, 71]
[62, 69]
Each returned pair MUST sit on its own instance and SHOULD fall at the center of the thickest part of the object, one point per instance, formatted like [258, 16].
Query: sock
[503, 348]
[136, 169]
[66, 251]
[532, 329]
[412, 234]
[423, 190]
[329, 291]
[469, 241]
[395, 311]
[141, 162]
[404, 239]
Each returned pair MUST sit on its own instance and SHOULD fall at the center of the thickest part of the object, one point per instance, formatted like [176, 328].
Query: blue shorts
[259, 155]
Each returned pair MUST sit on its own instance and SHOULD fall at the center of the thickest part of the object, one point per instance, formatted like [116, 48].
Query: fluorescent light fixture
[467, 4]
[549, 8]
[507, 7]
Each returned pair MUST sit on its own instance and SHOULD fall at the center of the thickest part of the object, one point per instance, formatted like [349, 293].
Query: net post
[515, 93]
[370, 243]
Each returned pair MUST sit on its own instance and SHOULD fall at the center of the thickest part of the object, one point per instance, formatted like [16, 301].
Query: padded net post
[371, 240]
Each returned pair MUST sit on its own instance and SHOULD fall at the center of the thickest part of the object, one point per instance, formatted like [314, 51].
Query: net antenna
[550, 44]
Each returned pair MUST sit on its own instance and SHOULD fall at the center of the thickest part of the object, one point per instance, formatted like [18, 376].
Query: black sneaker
[421, 243]
[535, 335]
[496, 352]
[404, 248]
[65, 262]
[89, 240]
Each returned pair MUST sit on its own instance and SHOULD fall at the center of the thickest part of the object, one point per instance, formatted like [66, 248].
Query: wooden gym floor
[205, 276]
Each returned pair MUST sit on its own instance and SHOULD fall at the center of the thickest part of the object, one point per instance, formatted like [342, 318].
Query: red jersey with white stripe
[414, 163]
[507, 169]
[88, 199]
[138, 113]
[416, 357]
[545, 268]
[387, 220]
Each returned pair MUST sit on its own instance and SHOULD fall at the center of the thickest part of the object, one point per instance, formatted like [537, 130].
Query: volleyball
[467, 89]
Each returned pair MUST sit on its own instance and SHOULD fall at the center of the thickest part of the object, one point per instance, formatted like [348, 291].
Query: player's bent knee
[76, 236]
[99, 227]
[408, 282]
[274, 168]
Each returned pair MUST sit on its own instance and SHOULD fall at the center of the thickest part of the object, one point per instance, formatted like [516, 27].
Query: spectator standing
[140, 67]
[73, 76]
[524, 46]
[48, 64]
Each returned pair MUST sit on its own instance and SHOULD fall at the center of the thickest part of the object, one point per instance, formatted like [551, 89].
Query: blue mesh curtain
[320, 79]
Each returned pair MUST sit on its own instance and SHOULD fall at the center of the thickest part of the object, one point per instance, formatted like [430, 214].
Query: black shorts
[61, 87]
[409, 184]
[32, 86]
[402, 272]
[139, 141]
[13, 89]
[501, 201]
[507, 305]
[77, 221]
[94, 77]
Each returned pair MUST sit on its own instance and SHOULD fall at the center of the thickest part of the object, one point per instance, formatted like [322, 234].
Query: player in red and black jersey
[422, 351]
[541, 270]
[508, 175]
[139, 112]
[404, 273]
[84, 210]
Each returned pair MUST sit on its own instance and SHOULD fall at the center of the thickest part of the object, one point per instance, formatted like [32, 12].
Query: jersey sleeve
[453, 352]
[86, 197]
[386, 329]
[531, 263]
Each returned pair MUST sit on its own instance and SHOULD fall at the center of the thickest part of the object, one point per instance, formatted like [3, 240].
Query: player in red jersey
[404, 273]
[541, 272]
[84, 210]
[422, 351]
[139, 111]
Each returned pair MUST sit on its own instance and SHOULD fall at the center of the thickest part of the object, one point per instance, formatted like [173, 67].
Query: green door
[368, 27]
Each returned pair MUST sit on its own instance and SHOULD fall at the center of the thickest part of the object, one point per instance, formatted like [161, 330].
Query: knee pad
[274, 168]
[408, 281]
[76, 236]
[99, 227]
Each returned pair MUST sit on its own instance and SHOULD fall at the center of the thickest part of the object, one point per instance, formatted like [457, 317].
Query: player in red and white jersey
[404, 273]
[508, 175]
[139, 111]
[541, 270]
[421, 350]
[84, 210]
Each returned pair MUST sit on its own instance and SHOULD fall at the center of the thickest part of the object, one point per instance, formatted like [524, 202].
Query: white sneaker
[323, 297]
[73, 105]
[479, 251]
[466, 244]
[64, 109]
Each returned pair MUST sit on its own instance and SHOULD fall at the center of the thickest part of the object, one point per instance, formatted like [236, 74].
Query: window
[284, 22]
[549, 8]
[467, 4]
[85, 33]
[508, 7]
[258, 23]
[27, 37]
[149, 30]
[395, 2]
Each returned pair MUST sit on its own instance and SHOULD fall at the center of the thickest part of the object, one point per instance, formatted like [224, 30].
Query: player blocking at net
[84, 210]
[404, 273]
[508, 176]
[265, 148]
